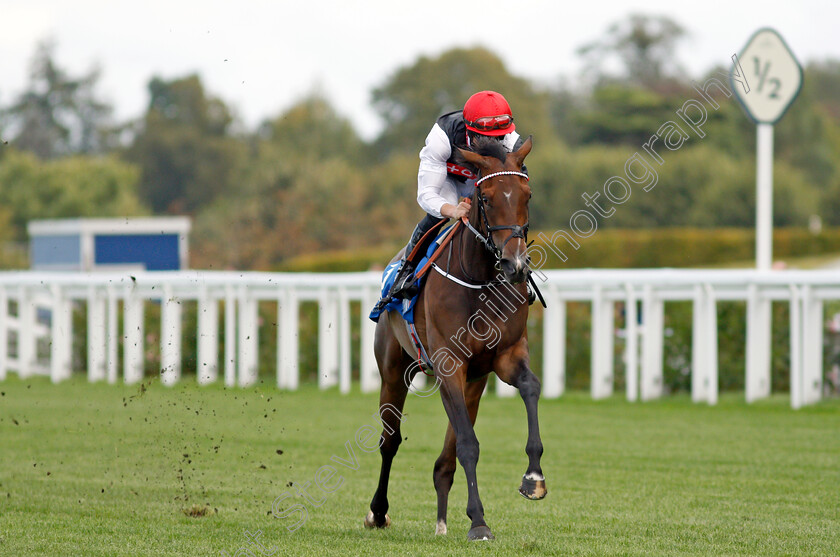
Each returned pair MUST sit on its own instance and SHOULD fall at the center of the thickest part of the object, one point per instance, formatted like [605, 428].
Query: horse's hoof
[440, 528]
[371, 522]
[480, 533]
[533, 487]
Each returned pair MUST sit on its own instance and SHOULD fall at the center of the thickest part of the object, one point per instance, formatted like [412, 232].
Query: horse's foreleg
[445, 464]
[533, 482]
[513, 368]
[466, 449]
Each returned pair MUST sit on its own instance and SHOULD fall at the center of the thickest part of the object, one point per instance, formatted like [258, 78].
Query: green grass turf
[94, 469]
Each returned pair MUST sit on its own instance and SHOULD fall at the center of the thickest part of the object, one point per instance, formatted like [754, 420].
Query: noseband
[517, 230]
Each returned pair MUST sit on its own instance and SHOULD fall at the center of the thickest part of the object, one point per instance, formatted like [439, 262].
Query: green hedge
[346, 261]
[617, 248]
[679, 247]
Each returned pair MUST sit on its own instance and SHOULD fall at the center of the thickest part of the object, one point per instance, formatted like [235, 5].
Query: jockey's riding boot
[404, 287]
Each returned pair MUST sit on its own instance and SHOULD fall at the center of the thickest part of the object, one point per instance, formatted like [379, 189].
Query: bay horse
[468, 335]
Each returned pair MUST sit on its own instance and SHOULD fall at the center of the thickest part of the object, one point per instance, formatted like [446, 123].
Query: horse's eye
[485, 199]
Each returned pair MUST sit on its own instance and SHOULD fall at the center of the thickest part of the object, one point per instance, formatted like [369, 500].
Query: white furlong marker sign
[773, 78]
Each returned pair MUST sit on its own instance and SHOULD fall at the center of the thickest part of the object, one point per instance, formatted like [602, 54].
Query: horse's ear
[520, 154]
[473, 158]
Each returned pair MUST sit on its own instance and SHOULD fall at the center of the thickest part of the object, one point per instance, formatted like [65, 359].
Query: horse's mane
[489, 147]
[486, 147]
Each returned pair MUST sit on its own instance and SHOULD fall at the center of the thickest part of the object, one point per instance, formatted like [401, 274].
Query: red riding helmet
[488, 113]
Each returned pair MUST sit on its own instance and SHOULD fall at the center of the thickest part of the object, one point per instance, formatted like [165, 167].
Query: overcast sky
[261, 56]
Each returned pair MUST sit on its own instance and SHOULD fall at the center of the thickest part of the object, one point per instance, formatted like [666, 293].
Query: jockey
[443, 180]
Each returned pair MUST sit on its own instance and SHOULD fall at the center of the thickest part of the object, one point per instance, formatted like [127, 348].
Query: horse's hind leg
[443, 477]
[393, 365]
[445, 464]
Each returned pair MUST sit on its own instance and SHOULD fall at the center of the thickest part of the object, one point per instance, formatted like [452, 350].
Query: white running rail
[116, 303]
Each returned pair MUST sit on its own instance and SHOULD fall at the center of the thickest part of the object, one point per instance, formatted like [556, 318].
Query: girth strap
[422, 357]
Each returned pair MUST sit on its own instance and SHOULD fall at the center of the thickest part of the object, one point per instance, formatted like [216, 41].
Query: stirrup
[404, 287]
[380, 305]
[408, 291]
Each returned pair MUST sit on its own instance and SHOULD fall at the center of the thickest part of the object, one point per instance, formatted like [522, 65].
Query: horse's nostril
[515, 269]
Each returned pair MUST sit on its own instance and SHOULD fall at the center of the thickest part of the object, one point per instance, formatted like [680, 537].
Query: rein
[517, 232]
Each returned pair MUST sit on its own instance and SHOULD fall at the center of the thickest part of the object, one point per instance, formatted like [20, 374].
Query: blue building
[114, 244]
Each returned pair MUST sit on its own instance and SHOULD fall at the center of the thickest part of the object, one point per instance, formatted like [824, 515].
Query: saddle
[424, 254]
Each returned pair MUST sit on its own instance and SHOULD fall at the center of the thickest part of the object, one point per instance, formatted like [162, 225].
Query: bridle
[518, 231]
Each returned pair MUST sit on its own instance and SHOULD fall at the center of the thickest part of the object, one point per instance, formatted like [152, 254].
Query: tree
[70, 187]
[823, 80]
[623, 114]
[312, 128]
[307, 187]
[643, 44]
[564, 106]
[412, 99]
[187, 154]
[59, 114]
[295, 208]
[804, 135]
[12, 251]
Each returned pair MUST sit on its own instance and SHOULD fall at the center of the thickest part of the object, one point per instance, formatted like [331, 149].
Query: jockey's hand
[456, 212]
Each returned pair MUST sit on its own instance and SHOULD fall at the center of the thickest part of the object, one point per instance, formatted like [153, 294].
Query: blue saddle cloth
[405, 307]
